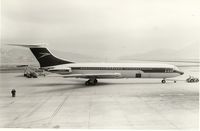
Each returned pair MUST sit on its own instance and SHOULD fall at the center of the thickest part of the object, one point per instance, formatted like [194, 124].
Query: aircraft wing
[87, 76]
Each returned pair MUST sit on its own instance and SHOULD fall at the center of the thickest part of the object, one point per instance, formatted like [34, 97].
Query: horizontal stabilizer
[30, 45]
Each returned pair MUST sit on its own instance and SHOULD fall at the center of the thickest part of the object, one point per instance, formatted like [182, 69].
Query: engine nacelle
[59, 70]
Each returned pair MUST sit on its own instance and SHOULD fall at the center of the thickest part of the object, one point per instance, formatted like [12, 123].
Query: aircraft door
[138, 75]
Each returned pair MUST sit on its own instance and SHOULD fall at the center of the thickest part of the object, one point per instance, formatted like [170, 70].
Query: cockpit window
[176, 68]
[168, 70]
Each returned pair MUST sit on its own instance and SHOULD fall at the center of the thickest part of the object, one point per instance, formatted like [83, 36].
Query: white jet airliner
[94, 71]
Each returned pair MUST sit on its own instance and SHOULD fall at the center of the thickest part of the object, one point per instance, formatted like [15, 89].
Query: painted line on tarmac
[38, 107]
[59, 108]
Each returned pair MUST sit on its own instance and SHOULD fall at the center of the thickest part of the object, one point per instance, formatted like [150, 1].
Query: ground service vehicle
[30, 74]
[192, 79]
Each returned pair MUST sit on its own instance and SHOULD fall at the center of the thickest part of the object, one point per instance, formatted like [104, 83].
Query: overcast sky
[102, 27]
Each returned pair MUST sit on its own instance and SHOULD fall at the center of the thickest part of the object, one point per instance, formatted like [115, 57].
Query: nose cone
[181, 72]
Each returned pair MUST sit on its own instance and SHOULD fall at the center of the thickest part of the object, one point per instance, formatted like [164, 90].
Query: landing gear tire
[163, 81]
[95, 82]
[91, 82]
[87, 83]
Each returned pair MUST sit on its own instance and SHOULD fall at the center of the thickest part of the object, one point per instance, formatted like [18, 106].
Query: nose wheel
[91, 82]
[163, 81]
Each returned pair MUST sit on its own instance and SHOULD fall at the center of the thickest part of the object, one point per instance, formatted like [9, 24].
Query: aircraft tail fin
[43, 55]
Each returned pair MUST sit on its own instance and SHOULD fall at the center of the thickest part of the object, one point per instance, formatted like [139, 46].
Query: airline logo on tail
[44, 55]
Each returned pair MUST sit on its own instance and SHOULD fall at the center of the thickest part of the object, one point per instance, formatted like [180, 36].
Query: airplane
[94, 71]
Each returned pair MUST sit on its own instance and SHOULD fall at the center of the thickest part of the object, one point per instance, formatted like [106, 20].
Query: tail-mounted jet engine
[61, 70]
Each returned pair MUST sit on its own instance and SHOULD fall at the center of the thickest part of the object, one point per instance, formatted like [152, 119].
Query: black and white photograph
[100, 64]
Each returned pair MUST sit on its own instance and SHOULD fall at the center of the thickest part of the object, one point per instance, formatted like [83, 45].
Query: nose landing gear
[91, 82]
[163, 81]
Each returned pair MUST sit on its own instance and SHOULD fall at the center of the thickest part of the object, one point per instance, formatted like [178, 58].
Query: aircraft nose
[181, 72]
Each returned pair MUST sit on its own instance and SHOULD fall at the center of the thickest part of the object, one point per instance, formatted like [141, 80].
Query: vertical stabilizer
[44, 56]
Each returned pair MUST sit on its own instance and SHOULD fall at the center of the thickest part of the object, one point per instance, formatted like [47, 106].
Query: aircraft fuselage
[127, 70]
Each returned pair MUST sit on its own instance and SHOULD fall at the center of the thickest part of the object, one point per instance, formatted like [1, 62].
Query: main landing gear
[91, 82]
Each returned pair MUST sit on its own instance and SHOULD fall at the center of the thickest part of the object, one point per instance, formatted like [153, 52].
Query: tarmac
[49, 102]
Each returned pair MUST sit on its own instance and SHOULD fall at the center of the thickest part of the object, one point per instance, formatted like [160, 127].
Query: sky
[102, 28]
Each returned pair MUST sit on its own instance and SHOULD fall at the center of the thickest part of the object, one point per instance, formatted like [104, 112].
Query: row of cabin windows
[109, 68]
[123, 68]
